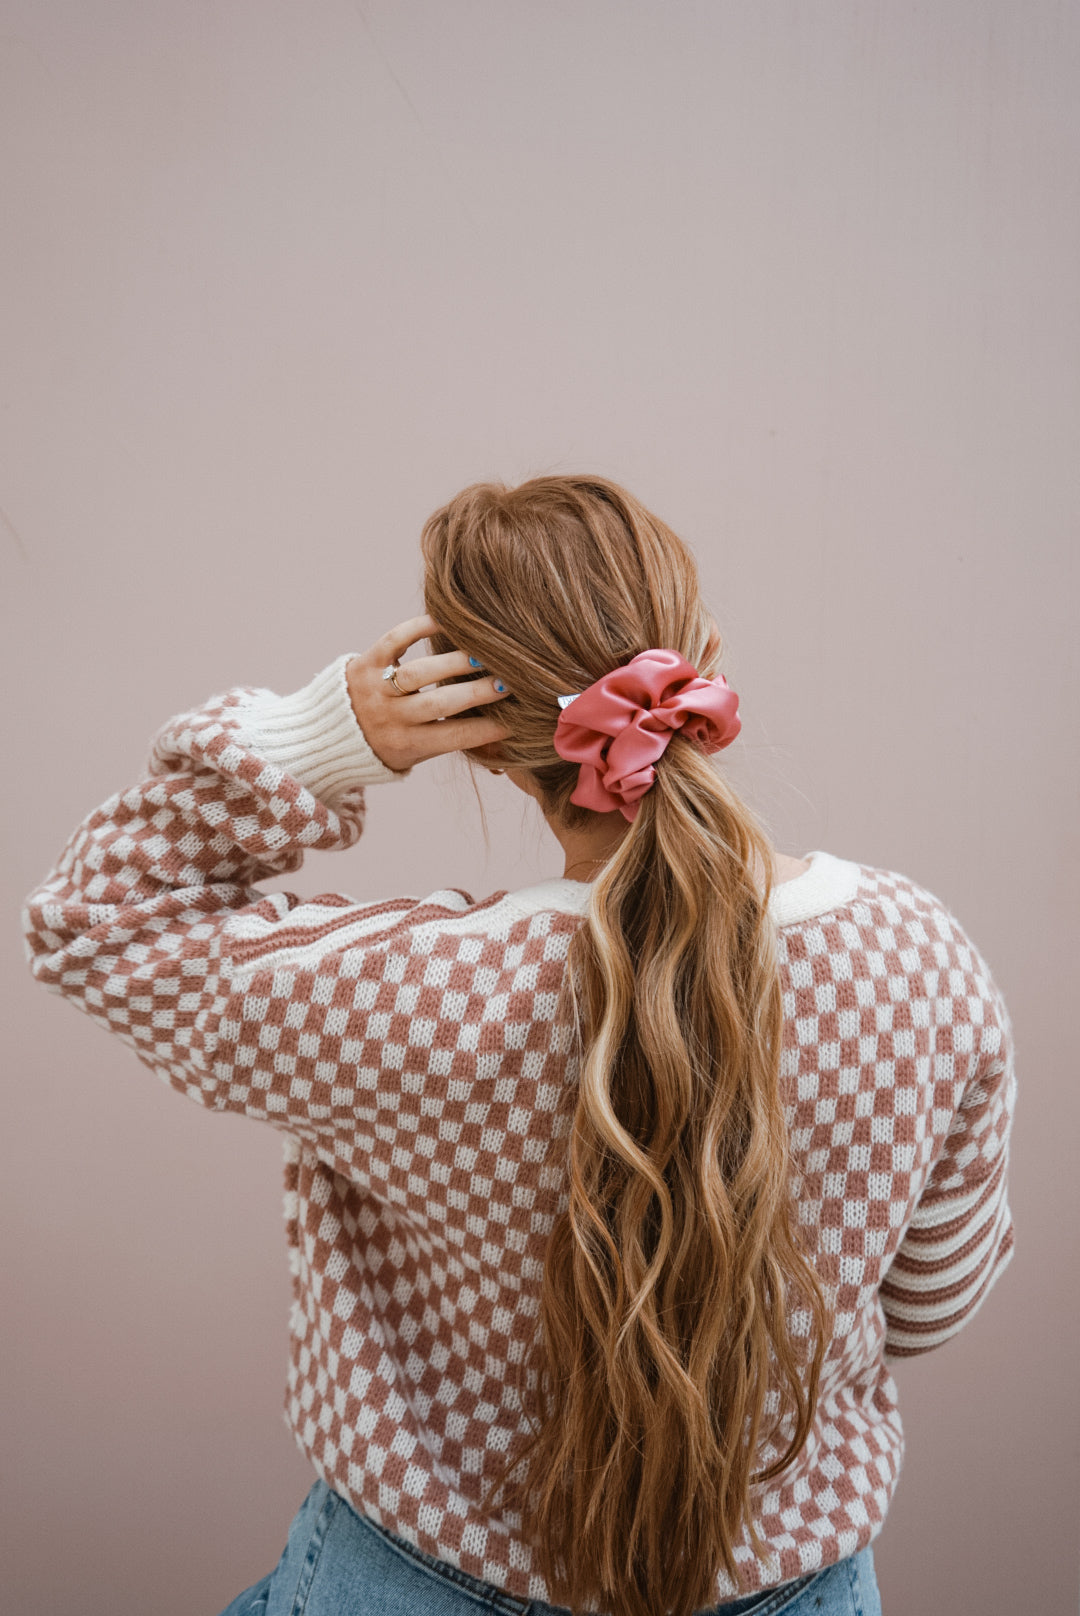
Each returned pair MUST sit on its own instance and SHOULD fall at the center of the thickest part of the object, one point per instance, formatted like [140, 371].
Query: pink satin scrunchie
[620, 725]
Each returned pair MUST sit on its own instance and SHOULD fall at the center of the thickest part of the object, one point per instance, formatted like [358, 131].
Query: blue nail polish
[499, 686]
[474, 662]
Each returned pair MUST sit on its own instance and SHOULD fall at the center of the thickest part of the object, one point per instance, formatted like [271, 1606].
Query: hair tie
[623, 722]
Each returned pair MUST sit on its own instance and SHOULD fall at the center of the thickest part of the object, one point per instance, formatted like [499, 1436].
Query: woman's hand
[403, 730]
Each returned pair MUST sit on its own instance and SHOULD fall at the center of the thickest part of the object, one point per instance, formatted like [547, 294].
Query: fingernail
[474, 662]
[500, 687]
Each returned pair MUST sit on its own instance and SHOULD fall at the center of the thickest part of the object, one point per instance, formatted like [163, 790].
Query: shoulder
[907, 930]
[891, 898]
[871, 907]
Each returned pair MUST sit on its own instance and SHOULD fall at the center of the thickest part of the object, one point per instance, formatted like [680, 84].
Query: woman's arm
[152, 921]
[960, 1238]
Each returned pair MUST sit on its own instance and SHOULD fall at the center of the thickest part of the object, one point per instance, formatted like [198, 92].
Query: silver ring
[390, 673]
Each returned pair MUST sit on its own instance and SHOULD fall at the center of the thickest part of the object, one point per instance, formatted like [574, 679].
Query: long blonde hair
[671, 1280]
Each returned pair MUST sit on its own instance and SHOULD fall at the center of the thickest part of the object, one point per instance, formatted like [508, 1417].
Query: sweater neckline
[829, 883]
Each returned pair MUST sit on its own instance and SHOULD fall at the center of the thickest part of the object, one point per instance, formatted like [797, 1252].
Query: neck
[585, 851]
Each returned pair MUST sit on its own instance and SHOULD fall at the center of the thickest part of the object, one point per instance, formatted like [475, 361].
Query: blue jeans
[339, 1563]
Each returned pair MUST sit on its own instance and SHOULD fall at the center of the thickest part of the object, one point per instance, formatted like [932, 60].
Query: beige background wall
[280, 278]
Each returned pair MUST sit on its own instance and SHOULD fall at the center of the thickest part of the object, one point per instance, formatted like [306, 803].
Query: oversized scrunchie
[618, 726]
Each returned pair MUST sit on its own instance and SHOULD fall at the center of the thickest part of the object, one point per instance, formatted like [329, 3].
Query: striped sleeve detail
[960, 1237]
[951, 1256]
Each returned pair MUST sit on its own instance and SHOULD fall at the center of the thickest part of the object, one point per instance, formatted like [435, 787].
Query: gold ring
[390, 673]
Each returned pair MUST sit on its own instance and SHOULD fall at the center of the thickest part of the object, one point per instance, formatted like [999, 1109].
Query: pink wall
[279, 279]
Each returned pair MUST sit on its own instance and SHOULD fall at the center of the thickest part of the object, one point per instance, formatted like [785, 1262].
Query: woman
[606, 1198]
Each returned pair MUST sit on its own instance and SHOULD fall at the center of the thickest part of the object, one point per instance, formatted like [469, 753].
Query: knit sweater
[407, 1050]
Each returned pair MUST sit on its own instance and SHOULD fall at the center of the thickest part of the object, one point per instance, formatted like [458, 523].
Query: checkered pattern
[409, 1052]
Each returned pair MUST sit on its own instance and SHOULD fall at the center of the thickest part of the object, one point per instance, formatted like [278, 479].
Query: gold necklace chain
[590, 862]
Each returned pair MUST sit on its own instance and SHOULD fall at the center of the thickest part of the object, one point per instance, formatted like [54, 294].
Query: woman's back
[898, 1089]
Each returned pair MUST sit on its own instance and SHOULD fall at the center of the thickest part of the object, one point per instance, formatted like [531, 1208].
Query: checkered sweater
[407, 1050]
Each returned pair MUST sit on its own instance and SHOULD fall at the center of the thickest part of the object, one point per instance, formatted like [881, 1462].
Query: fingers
[462, 734]
[431, 705]
[428, 670]
[396, 641]
[416, 722]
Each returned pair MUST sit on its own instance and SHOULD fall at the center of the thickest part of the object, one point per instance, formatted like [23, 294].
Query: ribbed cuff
[313, 734]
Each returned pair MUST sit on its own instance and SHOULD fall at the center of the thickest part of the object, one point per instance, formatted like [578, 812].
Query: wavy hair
[675, 1280]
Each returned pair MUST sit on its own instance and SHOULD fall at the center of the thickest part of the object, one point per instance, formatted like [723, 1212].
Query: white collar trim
[829, 883]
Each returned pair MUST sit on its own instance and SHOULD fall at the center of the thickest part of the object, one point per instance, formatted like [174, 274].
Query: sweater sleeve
[960, 1238]
[152, 923]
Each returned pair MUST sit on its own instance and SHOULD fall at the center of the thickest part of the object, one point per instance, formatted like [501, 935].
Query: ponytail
[669, 1281]
[682, 1327]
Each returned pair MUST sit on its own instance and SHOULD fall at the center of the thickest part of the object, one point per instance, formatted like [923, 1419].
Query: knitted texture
[409, 1052]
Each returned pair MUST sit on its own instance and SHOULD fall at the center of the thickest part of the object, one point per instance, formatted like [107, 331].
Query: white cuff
[314, 736]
